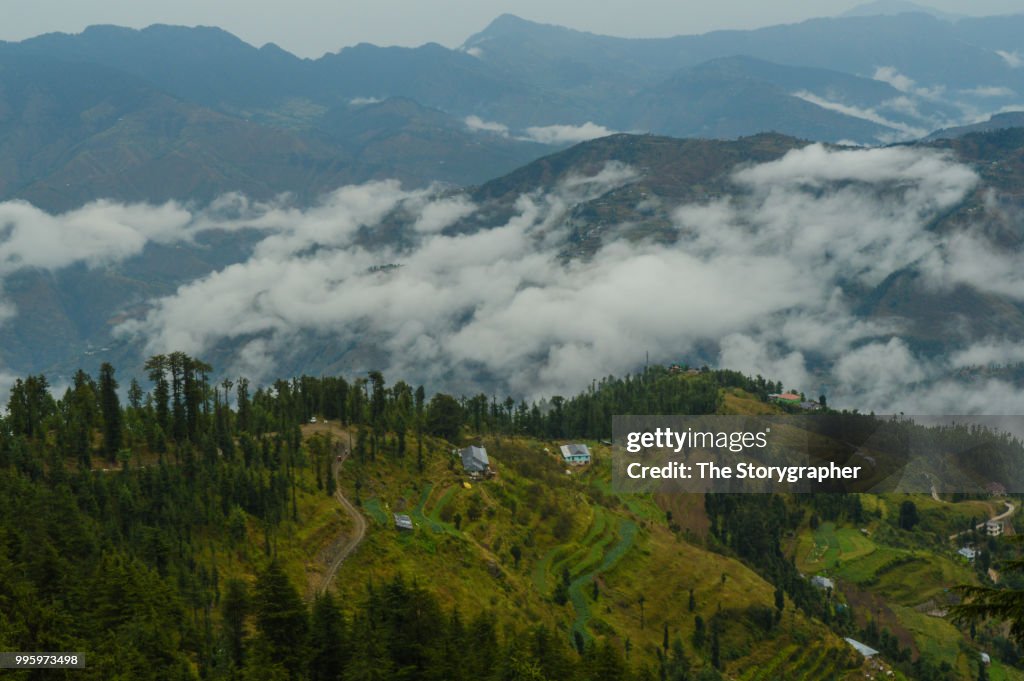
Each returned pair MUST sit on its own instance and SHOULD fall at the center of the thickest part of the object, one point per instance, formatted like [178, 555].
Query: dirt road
[1010, 508]
[351, 543]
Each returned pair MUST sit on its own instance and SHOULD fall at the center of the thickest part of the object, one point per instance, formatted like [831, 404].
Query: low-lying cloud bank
[556, 135]
[567, 134]
[760, 280]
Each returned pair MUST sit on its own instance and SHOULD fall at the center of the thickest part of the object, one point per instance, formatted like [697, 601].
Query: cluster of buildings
[477, 465]
[681, 369]
[993, 528]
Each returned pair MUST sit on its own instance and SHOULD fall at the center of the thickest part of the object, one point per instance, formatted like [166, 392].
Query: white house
[968, 553]
[993, 528]
[576, 455]
[823, 582]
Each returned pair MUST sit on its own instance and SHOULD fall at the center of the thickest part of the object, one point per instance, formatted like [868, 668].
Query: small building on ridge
[575, 454]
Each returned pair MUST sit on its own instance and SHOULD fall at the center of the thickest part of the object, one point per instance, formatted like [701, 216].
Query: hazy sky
[312, 27]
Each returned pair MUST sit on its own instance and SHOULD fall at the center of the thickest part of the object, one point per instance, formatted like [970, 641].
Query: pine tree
[280, 617]
[156, 368]
[328, 654]
[110, 406]
[678, 667]
[698, 631]
[234, 608]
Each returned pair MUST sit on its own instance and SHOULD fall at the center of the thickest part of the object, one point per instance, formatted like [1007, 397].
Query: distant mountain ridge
[1010, 119]
[860, 79]
[891, 7]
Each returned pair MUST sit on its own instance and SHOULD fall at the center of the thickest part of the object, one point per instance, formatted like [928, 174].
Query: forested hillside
[182, 534]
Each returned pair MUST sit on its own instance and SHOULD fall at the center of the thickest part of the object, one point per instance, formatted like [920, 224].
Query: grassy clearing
[935, 637]
[925, 577]
[830, 547]
[442, 502]
[375, 511]
[737, 401]
[422, 518]
[997, 671]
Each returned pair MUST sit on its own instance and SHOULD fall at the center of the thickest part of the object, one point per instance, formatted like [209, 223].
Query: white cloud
[903, 105]
[875, 373]
[758, 276]
[416, 313]
[988, 353]
[990, 91]
[968, 258]
[364, 101]
[437, 215]
[889, 74]
[903, 83]
[566, 134]
[867, 114]
[752, 356]
[478, 124]
[758, 280]
[1013, 59]
[980, 396]
[98, 233]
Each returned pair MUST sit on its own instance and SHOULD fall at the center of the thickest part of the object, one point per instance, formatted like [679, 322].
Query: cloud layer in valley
[758, 282]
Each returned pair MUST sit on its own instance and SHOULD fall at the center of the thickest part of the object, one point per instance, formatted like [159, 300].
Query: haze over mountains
[470, 114]
[280, 215]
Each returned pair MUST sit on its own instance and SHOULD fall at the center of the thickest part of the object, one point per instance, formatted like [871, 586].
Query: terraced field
[801, 663]
[542, 570]
[625, 533]
[549, 567]
[866, 568]
[605, 543]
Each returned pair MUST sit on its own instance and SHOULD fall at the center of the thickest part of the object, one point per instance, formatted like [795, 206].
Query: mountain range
[245, 141]
[266, 121]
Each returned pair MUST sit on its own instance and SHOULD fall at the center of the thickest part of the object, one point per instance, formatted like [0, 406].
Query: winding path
[352, 543]
[1010, 508]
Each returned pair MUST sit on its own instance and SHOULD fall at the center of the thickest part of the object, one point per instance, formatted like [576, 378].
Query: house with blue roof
[576, 454]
